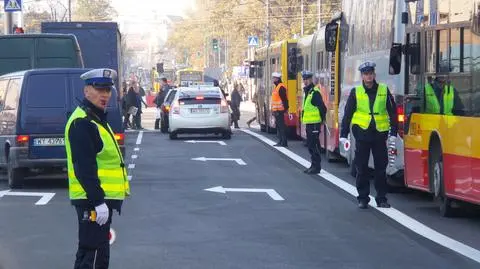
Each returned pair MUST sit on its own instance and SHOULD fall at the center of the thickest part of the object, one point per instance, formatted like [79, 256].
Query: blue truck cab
[34, 108]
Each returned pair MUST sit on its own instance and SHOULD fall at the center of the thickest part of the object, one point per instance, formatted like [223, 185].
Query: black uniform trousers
[93, 241]
[378, 147]
[313, 143]
[281, 128]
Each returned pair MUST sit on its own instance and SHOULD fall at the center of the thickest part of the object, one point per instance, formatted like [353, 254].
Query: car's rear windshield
[199, 97]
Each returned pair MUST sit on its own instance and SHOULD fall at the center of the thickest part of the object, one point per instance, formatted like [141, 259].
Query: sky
[135, 8]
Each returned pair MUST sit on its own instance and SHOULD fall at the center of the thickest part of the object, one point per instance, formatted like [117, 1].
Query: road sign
[12, 5]
[253, 41]
[46, 196]
[203, 159]
[271, 192]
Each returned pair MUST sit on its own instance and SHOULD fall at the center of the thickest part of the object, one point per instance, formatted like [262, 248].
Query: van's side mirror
[331, 31]
[395, 59]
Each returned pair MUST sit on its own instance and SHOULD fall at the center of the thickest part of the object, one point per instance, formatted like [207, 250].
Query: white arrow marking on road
[46, 196]
[271, 192]
[205, 141]
[203, 159]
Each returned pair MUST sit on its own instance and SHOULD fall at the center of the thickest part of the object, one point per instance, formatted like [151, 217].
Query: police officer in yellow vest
[96, 171]
[371, 113]
[313, 114]
[441, 97]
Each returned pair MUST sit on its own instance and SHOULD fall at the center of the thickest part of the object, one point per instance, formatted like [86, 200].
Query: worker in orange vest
[279, 105]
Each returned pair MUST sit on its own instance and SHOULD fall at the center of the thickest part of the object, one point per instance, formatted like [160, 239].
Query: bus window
[430, 49]
[414, 53]
[443, 61]
[475, 56]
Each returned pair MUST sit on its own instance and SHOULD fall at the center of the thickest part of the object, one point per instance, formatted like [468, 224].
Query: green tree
[94, 10]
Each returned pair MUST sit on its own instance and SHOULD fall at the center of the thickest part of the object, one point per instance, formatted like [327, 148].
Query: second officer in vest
[371, 113]
[279, 105]
[313, 114]
[97, 177]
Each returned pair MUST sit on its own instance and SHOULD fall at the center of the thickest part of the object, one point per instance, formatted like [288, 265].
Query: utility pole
[319, 8]
[8, 23]
[69, 10]
[267, 38]
[303, 18]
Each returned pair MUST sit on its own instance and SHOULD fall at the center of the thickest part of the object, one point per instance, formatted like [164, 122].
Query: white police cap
[367, 66]
[99, 78]
[307, 74]
[276, 75]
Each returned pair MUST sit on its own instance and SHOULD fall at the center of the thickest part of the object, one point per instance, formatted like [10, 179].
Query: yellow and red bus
[442, 150]
[278, 57]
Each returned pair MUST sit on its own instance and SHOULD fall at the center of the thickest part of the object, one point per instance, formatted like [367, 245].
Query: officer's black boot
[363, 204]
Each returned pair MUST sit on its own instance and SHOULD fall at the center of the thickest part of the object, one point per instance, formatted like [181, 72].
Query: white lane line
[139, 137]
[129, 178]
[396, 215]
[134, 156]
[131, 166]
[136, 149]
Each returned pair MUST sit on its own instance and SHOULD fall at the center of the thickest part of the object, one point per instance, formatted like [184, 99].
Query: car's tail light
[401, 119]
[176, 108]
[224, 106]
[22, 140]
[120, 138]
[199, 98]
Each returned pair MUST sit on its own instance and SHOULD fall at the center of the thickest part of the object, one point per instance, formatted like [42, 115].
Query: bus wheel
[436, 178]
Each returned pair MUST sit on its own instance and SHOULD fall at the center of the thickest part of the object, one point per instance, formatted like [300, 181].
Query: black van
[31, 51]
[34, 108]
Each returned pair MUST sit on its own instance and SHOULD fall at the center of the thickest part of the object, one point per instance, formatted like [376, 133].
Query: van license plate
[53, 141]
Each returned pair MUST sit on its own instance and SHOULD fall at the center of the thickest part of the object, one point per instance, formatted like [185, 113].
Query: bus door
[416, 166]
[475, 69]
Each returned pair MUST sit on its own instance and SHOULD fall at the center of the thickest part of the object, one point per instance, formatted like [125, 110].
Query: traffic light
[160, 69]
[215, 44]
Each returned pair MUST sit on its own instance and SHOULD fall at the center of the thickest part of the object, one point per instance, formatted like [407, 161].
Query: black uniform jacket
[371, 133]
[85, 143]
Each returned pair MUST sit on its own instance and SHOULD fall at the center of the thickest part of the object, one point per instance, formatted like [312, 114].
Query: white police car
[200, 109]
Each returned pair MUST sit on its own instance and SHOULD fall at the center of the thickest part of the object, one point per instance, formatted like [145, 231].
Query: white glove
[102, 214]
[345, 142]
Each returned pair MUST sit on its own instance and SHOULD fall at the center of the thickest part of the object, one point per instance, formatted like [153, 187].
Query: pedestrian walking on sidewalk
[235, 101]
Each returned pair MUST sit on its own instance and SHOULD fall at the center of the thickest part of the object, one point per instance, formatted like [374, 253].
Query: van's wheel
[436, 177]
[173, 135]
[15, 176]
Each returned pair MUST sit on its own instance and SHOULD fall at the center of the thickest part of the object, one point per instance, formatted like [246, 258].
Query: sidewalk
[247, 106]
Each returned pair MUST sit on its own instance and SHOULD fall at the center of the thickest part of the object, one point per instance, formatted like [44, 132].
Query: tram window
[443, 61]
[475, 56]
[430, 59]
[456, 50]
[319, 59]
[468, 48]
[307, 66]
[414, 53]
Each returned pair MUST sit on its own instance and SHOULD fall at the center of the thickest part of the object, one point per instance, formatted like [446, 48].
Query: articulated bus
[364, 30]
[312, 55]
[278, 57]
[442, 150]
[187, 77]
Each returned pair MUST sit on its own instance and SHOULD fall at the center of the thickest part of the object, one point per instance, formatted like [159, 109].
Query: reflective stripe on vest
[110, 172]
[311, 113]
[276, 101]
[432, 103]
[363, 115]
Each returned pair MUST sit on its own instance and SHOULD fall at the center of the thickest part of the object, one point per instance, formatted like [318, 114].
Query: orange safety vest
[276, 102]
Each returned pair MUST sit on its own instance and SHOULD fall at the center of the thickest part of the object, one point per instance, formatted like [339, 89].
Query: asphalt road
[172, 221]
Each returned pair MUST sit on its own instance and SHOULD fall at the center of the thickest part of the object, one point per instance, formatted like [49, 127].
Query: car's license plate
[200, 110]
[52, 141]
